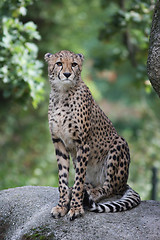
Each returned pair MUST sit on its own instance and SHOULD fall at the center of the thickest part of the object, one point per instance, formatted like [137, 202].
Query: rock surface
[25, 215]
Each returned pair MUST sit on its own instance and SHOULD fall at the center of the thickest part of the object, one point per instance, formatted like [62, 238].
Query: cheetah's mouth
[66, 80]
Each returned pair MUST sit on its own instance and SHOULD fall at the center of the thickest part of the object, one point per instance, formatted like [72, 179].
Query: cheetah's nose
[67, 74]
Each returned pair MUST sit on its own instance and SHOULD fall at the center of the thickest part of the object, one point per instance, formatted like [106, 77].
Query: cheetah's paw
[75, 212]
[58, 211]
[95, 194]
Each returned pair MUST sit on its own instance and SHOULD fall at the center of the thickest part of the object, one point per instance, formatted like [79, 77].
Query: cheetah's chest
[59, 126]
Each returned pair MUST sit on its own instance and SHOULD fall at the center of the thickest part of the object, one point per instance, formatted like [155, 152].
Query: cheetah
[80, 129]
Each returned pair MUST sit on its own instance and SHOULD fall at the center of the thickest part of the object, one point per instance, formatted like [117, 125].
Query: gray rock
[25, 215]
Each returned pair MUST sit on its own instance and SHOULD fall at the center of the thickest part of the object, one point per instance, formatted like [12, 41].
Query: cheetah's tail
[129, 200]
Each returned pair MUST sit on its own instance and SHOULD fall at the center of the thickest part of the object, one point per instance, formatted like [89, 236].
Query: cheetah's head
[64, 69]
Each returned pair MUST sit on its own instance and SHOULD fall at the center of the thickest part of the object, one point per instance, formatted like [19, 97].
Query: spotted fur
[80, 129]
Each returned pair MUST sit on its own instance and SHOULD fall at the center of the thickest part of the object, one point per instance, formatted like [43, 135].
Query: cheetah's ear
[81, 56]
[47, 56]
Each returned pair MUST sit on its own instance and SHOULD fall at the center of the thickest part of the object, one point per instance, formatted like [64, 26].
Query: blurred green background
[113, 36]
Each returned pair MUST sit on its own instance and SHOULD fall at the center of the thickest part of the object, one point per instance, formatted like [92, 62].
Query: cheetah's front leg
[76, 205]
[63, 167]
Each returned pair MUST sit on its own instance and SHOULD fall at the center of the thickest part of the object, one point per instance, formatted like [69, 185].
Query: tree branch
[153, 62]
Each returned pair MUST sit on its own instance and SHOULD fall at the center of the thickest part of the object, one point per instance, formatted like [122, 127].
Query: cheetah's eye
[74, 64]
[59, 64]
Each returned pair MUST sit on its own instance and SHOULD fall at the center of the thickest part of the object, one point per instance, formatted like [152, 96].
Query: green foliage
[125, 35]
[20, 71]
[145, 151]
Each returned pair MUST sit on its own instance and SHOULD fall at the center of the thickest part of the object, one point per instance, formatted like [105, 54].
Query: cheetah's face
[64, 68]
